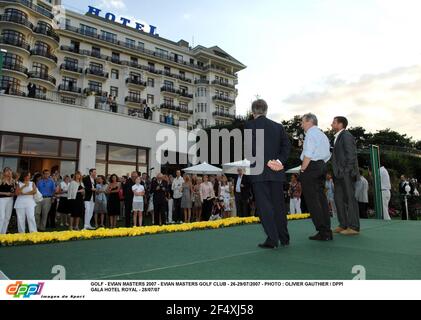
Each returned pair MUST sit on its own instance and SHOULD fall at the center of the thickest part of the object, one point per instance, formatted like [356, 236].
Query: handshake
[275, 165]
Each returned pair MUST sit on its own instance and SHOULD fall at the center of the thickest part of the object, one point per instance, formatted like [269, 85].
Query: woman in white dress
[7, 191]
[226, 194]
[25, 203]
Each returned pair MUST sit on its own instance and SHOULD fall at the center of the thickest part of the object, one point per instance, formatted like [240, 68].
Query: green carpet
[388, 250]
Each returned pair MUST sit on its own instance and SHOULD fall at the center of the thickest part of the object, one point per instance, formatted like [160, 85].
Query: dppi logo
[19, 290]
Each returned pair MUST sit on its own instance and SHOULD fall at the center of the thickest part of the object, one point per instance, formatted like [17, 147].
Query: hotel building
[75, 88]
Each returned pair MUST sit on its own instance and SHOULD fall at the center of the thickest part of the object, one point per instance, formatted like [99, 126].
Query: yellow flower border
[63, 236]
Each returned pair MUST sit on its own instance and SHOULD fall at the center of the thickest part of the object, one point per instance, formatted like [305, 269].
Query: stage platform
[388, 251]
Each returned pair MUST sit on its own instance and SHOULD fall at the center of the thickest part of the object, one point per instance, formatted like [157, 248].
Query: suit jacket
[344, 156]
[246, 189]
[277, 146]
[159, 196]
[88, 188]
[127, 190]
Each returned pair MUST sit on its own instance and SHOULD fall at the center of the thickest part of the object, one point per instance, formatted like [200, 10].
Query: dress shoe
[322, 237]
[350, 232]
[267, 246]
[285, 244]
[338, 230]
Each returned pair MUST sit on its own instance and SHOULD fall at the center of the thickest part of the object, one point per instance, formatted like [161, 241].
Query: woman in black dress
[75, 200]
[113, 204]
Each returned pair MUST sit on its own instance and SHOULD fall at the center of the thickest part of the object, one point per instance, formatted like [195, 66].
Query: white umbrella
[203, 168]
[294, 170]
[231, 168]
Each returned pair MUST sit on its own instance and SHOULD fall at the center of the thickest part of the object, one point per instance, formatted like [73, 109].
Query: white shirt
[138, 188]
[238, 186]
[361, 190]
[177, 187]
[64, 188]
[316, 145]
[25, 201]
[337, 134]
[385, 179]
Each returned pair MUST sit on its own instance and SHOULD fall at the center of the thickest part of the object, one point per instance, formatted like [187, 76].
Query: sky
[356, 58]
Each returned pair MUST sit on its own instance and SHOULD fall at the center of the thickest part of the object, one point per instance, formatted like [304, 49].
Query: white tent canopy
[231, 168]
[294, 170]
[203, 168]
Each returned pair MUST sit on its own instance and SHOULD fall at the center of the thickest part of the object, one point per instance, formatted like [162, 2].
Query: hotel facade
[80, 91]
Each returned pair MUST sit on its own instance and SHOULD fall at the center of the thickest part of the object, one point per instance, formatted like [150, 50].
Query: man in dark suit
[159, 189]
[242, 194]
[268, 184]
[89, 200]
[345, 174]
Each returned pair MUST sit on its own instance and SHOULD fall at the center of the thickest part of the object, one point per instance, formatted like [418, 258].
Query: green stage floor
[388, 250]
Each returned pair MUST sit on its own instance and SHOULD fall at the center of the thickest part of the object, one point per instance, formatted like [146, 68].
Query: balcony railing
[96, 72]
[134, 99]
[223, 99]
[151, 70]
[42, 76]
[70, 49]
[96, 91]
[15, 67]
[47, 32]
[185, 110]
[169, 90]
[29, 4]
[186, 95]
[70, 67]
[212, 67]
[169, 107]
[224, 84]
[69, 88]
[136, 82]
[94, 54]
[201, 81]
[223, 114]
[17, 19]
[139, 49]
[43, 53]
[14, 41]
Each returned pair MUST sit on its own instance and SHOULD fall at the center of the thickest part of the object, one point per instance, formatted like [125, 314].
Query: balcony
[201, 81]
[69, 88]
[29, 4]
[223, 84]
[185, 110]
[15, 67]
[47, 32]
[185, 95]
[223, 99]
[96, 73]
[170, 75]
[182, 78]
[223, 115]
[95, 91]
[70, 49]
[95, 54]
[14, 41]
[71, 68]
[168, 106]
[215, 68]
[43, 53]
[133, 99]
[42, 76]
[136, 82]
[169, 90]
[152, 70]
[18, 19]
[132, 64]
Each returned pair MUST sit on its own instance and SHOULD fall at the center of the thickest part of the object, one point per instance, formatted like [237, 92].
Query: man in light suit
[345, 174]
[268, 186]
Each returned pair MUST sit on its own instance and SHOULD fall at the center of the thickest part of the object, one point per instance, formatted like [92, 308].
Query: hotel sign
[124, 21]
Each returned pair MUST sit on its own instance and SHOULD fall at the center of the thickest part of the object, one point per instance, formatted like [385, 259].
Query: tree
[389, 137]
[361, 137]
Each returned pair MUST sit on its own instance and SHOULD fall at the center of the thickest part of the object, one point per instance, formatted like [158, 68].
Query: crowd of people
[47, 200]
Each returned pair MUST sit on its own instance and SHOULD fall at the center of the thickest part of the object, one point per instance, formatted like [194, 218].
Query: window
[96, 66]
[39, 68]
[117, 153]
[69, 148]
[151, 82]
[96, 52]
[69, 84]
[87, 30]
[150, 99]
[13, 37]
[101, 152]
[11, 59]
[114, 91]
[182, 74]
[134, 95]
[6, 81]
[168, 84]
[136, 77]
[70, 62]
[40, 146]
[114, 74]
[9, 143]
[130, 43]
[75, 45]
[141, 45]
[15, 13]
[95, 86]
[169, 101]
[161, 53]
[184, 89]
[167, 70]
[108, 36]
[134, 60]
[115, 57]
